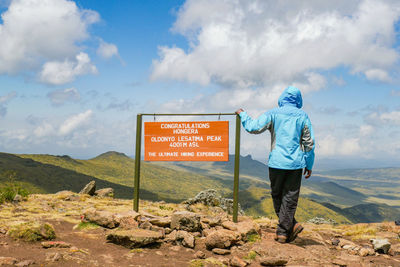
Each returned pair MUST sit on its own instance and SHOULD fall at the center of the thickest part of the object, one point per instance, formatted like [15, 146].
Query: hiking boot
[297, 228]
[280, 238]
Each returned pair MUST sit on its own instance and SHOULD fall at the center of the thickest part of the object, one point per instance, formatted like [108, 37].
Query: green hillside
[332, 192]
[381, 174]
[367, 213]
[39, 177]
[174, 182]
[258, 202]
[164, 183]
[341, 192]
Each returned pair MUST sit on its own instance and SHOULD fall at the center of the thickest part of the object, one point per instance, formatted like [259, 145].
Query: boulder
[127, 219]
[229, 225]
[211, 220]
[247, 229]
[103, 218]
[348, 243]
[397, 222]
[17, 198]
[55, 244]
[73, 197]
[221, 251]
[395, 249]
[187, 221]
[273, 261]
[221, 239]
[161, 221]
[89, 189]
[104, 192]
[381, 245]
[184, 238]
[8, 261]
[134, 238]
[145, 225]
[363, 252]
[335, 242]
[171, 237]
[25, 263]
[53, 256]
[200, 255]
[339, 262]
[237, 262]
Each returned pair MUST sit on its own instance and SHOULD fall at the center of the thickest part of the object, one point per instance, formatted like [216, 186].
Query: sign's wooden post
[194, 141]
[236, 172]
[137, 162]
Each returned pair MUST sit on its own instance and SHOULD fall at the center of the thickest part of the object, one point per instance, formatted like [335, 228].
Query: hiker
[292, 149]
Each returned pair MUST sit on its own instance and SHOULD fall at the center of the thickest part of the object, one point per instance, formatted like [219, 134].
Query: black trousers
[285, 191]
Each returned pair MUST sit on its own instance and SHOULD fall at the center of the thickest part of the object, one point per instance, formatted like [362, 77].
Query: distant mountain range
[351, 193]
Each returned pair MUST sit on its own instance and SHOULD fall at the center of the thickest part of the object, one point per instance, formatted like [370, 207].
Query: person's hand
[307, 173]
[240, 110]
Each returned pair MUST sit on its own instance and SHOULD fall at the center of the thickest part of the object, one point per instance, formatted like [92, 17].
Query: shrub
[31, 231]
[11, 188]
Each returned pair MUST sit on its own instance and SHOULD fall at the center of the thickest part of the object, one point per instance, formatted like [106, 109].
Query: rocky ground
[69, 229]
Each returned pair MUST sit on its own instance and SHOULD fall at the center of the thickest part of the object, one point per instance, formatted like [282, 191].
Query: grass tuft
[251, 255]
[253, 238]
[196, 263]
[32, 232]
[87, 226]
[360, 231]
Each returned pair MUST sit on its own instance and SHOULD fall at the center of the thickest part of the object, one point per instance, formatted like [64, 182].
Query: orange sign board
[186, 141]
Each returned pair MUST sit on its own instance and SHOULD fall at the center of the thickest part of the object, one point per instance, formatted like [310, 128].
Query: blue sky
[74, 74]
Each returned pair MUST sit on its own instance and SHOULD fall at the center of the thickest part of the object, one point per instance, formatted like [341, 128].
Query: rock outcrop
[211, 198]
[89, 189]
[134, 238]
[103, 218]
[381, 245]
[104, 192]
[187, 221]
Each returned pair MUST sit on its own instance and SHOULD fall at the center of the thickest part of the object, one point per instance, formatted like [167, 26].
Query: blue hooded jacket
[292, 137]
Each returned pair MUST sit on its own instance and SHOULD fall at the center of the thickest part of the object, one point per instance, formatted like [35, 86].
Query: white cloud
[391, 117]
[44, 130]
[75, 121]
[60, 97]
[37, 31]
[377, 74]
[384, 118]
[107, 50]
[366, 129]
[333, 146]
[57, 73]
[263, 43]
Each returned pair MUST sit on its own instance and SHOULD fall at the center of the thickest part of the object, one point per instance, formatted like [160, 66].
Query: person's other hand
[307, 173]
[240, 110]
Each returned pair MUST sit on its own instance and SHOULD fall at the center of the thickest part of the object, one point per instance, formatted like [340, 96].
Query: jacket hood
[291, 97]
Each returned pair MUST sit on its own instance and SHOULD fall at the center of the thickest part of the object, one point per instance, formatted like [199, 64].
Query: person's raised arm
[259, 125]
